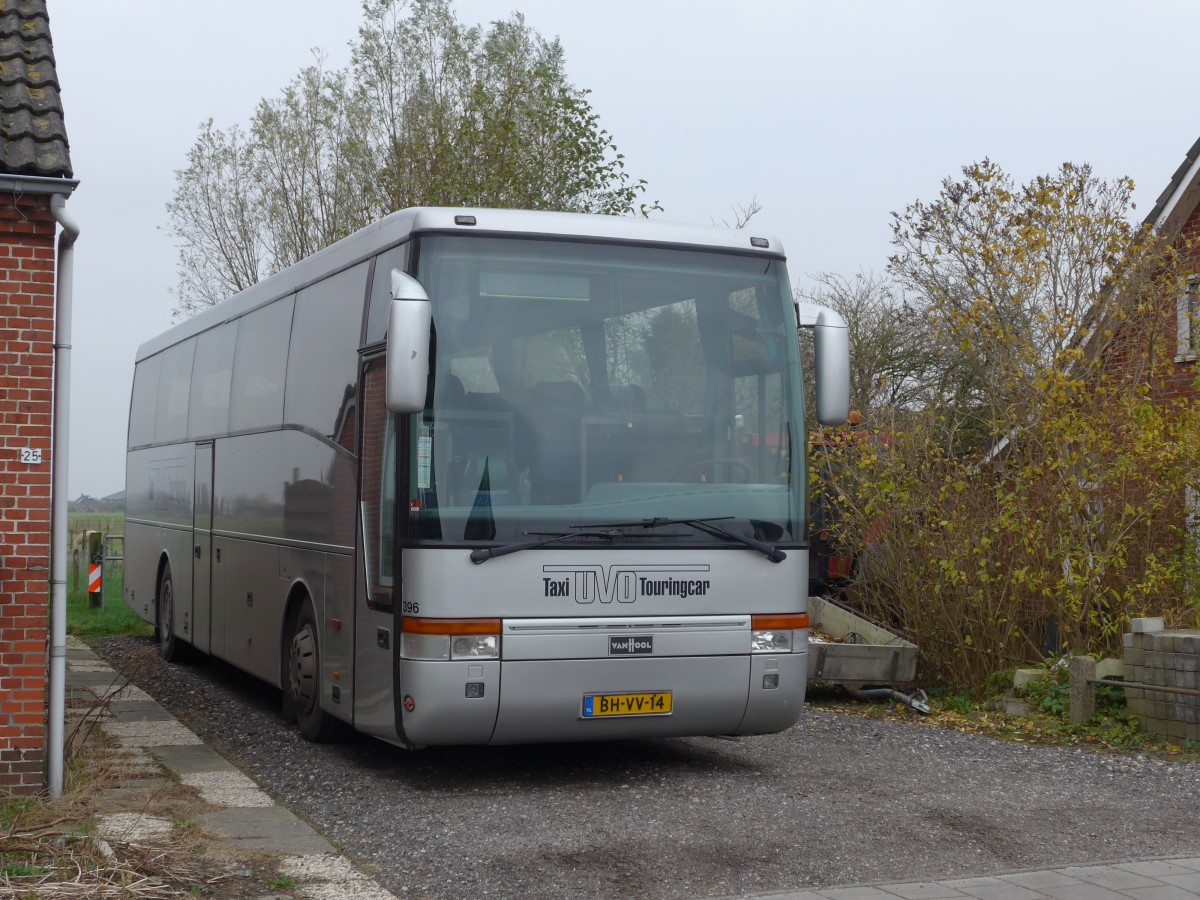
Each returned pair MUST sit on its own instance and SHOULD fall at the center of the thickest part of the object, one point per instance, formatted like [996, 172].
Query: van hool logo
[624, 584]
[638, 645]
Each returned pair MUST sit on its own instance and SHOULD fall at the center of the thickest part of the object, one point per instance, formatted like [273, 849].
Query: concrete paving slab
[1110, 877]
[260, 821]
[125, 797]
[89, 665]
[129, 692]
[134, 828]
[924, 890]
[182, 758]
[1156, 868]
[332, 878]
[101, 677]
[992, 888]
[1189, 882]
[1040, 881]
[132, 705]
[270, 828]
[147, 713]
[313, 845]
[150, 734]
[1081, 891]
[1159, 892]
[227, 789]
[184, 766]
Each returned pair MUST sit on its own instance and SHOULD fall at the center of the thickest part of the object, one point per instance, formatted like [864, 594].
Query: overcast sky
[831, 114]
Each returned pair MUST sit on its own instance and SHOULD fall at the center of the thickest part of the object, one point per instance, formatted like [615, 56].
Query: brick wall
[27, 271]
[1168, 659]
[1180, 382]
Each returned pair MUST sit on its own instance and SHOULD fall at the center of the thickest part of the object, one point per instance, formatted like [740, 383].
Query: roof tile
[33, 135]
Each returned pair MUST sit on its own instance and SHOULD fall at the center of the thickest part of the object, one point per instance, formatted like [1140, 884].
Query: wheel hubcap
[166, 613]
[303, 669]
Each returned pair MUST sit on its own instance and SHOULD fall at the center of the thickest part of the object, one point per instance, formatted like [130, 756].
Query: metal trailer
[865, 655]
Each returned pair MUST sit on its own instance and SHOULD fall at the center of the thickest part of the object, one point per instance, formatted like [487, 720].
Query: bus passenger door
[202, 518]
[376, 637]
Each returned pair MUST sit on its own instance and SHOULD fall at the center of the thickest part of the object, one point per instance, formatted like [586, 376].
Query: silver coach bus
[481, 476]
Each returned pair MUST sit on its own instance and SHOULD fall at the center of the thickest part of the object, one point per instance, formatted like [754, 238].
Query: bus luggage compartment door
[606, 679]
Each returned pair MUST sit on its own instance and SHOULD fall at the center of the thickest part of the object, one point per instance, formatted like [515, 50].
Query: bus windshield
[575, 385]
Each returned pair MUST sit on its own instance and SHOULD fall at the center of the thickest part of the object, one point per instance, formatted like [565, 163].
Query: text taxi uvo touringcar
[588, 584]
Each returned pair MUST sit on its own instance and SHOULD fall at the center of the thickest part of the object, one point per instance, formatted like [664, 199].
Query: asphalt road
[838, 799]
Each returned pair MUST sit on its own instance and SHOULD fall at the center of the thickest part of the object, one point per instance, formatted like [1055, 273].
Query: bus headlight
[438, 639]
[475, 646]
[779, 633]
[770, 642]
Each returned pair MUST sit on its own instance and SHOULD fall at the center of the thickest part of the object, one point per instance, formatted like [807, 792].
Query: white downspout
[58, 492]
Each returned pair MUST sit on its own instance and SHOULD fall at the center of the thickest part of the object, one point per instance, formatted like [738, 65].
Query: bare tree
[429, 112]
[894, 363]
[216, 216]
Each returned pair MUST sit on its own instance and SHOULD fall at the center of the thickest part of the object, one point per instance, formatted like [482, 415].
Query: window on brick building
[1187, 321]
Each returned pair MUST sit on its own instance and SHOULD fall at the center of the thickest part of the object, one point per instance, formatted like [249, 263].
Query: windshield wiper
[774, 554]
[483, 554]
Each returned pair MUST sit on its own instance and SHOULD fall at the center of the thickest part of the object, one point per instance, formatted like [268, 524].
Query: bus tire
[303, 687]
[170, 648]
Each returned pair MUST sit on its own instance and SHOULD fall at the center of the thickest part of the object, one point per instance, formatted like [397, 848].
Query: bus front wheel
[304, 681]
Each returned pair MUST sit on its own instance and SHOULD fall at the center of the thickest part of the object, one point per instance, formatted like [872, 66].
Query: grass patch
[115, 617]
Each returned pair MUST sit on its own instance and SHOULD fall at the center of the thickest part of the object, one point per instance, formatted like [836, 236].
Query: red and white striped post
[94, 541]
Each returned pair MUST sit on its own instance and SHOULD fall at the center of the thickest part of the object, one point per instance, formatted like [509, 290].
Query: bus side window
[174, 383]
[208, 411]
[144, 405]
[323, 358]
[259, 367]
[375, 328]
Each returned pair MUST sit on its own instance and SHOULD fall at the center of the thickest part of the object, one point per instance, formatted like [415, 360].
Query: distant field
[115, 617]
[107, 522]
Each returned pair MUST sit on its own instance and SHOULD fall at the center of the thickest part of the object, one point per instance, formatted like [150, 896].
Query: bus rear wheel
[304, 681]
[170, 647]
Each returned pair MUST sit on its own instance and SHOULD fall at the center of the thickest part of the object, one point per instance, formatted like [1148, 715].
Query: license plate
[657, 703]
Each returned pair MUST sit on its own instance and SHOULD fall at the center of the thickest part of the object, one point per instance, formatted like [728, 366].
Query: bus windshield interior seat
[626, 399]
[479, 428]
[556, 410]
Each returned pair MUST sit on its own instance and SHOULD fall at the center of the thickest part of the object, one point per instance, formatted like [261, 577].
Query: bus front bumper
[531, 701]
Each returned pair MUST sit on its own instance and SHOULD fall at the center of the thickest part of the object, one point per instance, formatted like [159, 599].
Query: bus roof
[396, 227]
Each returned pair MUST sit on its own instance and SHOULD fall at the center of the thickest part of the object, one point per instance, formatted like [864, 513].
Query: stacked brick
[1169, 659]
[27, 271]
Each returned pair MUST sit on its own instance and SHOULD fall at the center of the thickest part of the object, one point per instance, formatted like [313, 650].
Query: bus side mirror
[832, 340]
[409, 320]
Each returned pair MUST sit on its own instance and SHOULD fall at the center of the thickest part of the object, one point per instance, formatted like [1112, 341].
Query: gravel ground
[836, 800]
